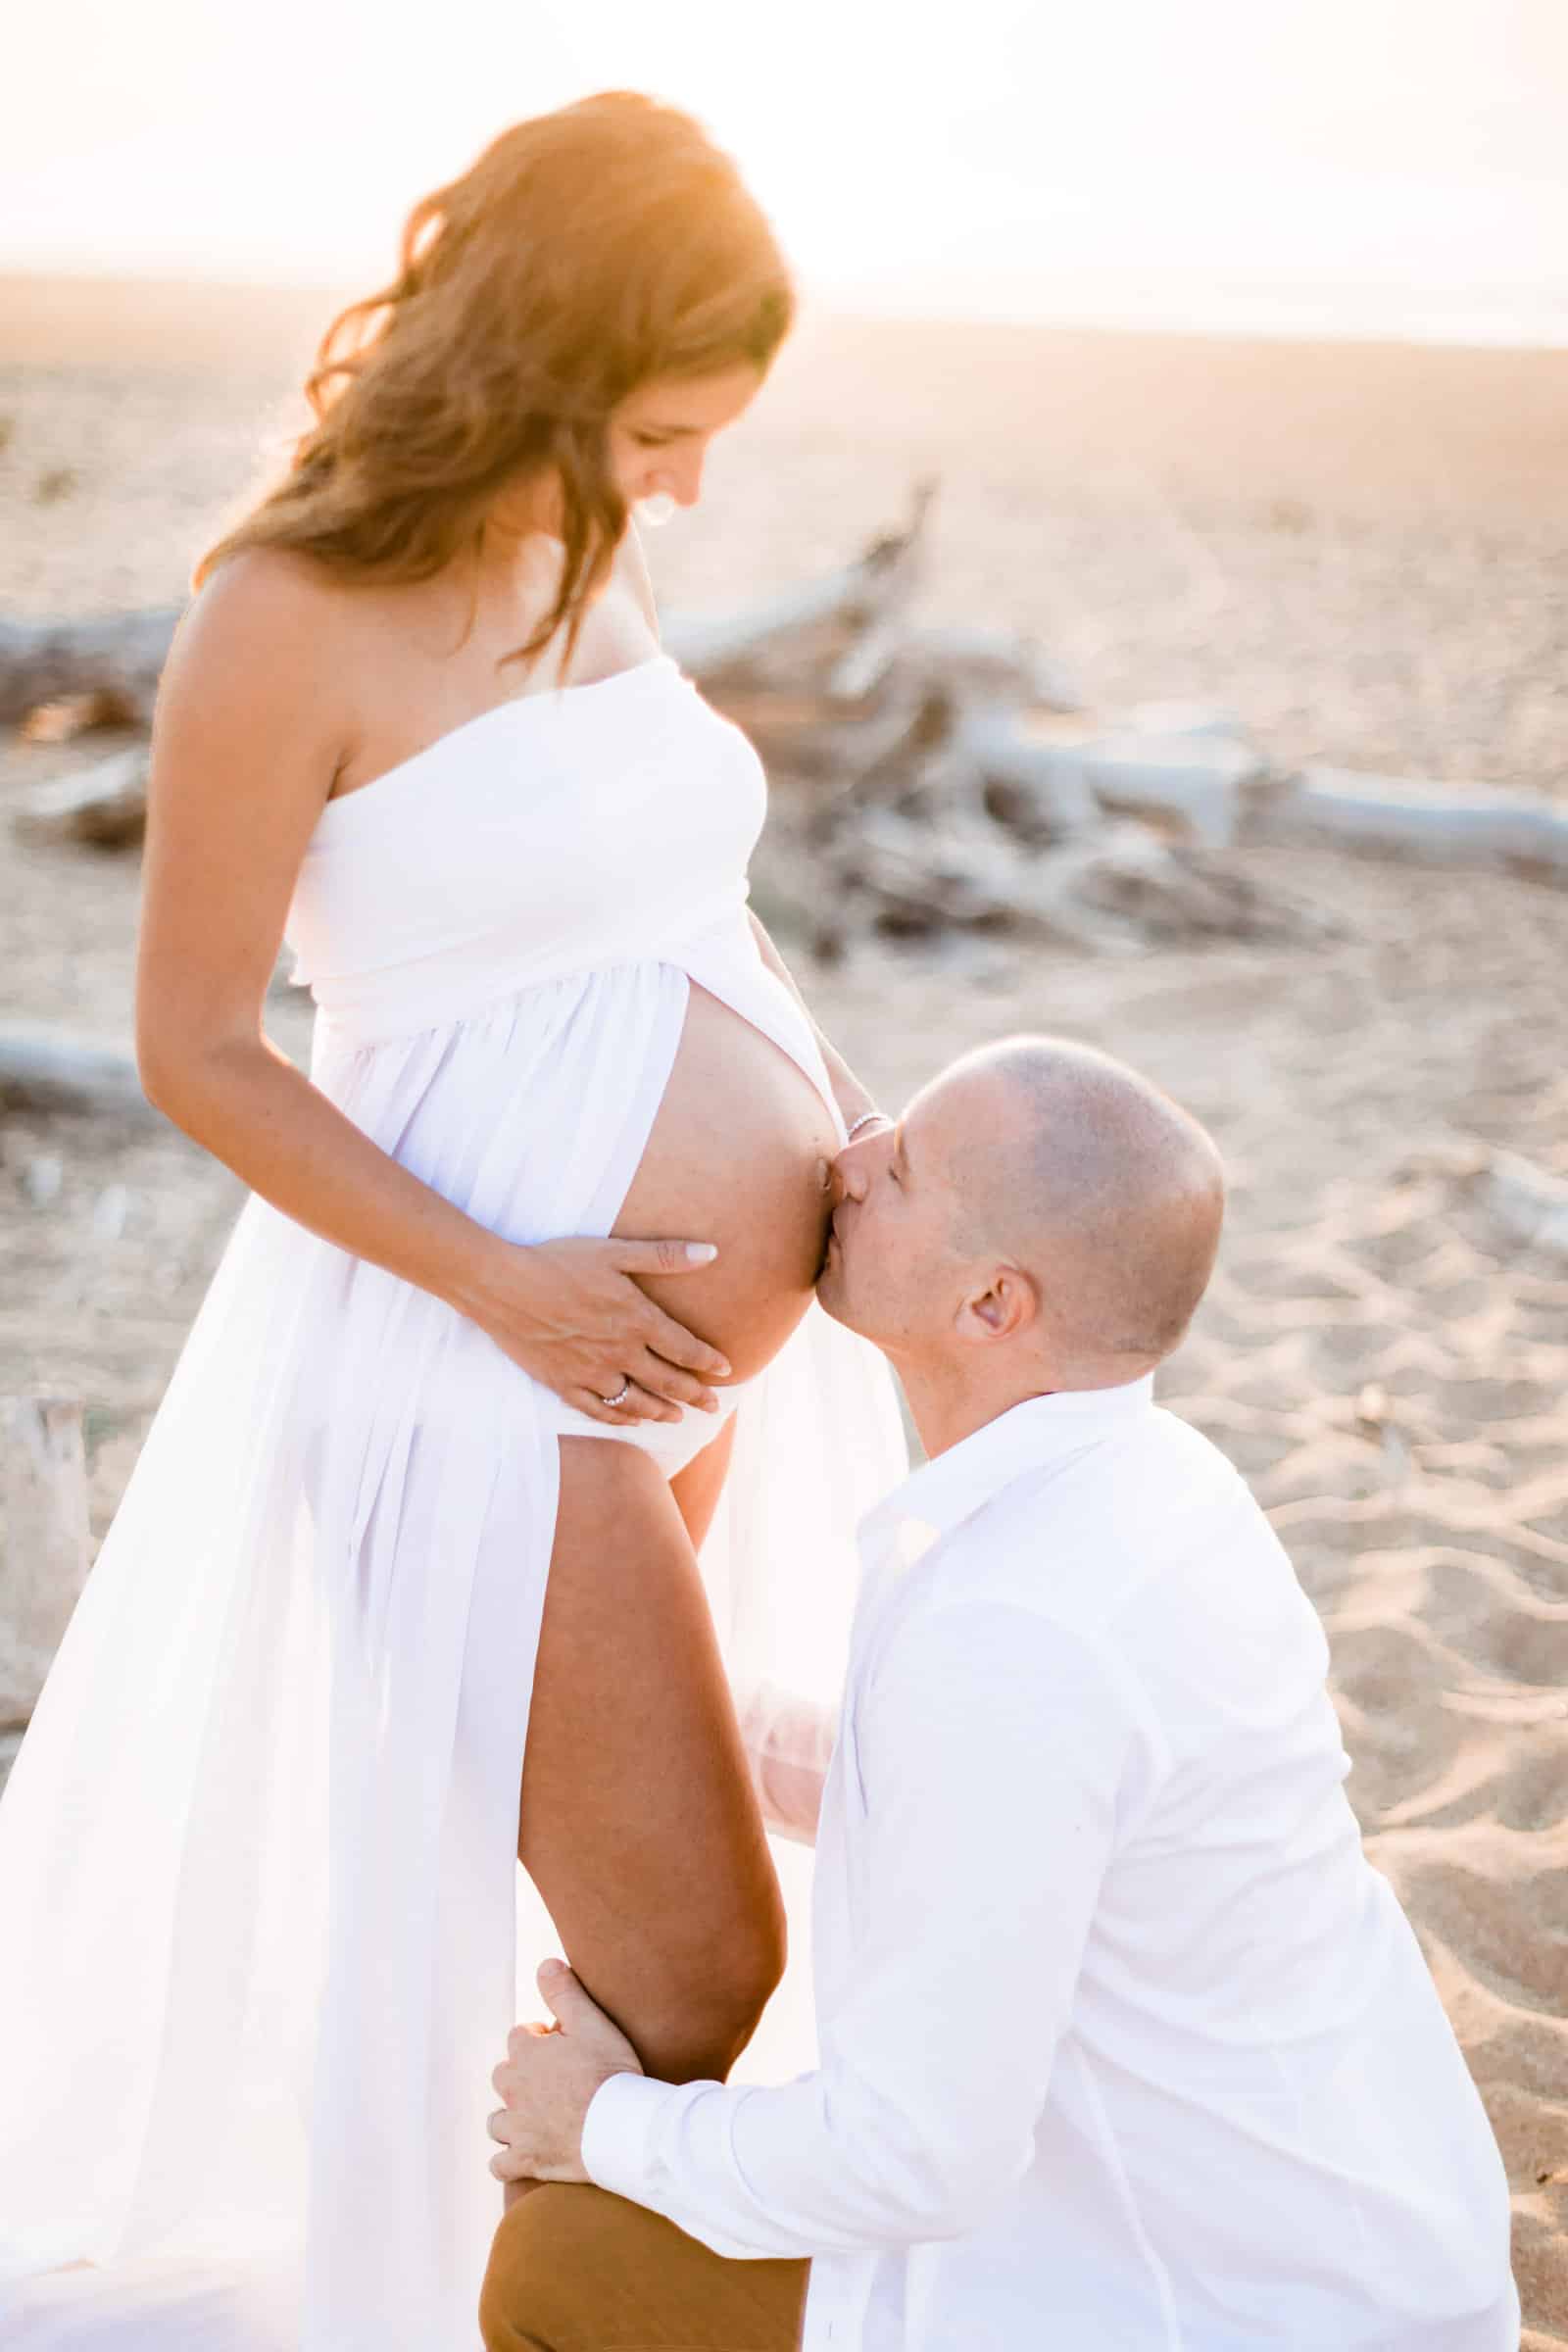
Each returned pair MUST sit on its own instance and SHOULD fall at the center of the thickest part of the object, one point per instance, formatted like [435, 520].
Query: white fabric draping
[258, 1881]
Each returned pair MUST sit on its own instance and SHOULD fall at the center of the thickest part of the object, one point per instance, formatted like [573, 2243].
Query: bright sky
[1019, 156]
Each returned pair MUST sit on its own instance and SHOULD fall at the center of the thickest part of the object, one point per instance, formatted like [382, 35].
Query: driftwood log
[1439, 824]
[1528, 1202]
[44, 1541]
[113, 659]
[853, 604]
[105, 804]
[928, 780]
[1523, 1201]
[51, 1069]
[108, 668]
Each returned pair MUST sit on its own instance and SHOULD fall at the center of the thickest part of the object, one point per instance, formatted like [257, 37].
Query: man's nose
[849, 1174]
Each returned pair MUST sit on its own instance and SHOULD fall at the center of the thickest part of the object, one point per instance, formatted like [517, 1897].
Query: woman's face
[660, 434]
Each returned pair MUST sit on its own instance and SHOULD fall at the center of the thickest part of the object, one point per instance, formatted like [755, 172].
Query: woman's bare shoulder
[275, 600]
[261, 684]
[270, 630]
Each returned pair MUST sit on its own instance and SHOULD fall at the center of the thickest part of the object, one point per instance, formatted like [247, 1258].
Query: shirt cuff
[617, 2134]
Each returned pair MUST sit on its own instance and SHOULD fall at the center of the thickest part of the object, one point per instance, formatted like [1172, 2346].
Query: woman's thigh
[638, 1822]
[698, 1488]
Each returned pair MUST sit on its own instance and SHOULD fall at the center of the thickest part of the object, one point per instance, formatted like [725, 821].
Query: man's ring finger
[621, 1394]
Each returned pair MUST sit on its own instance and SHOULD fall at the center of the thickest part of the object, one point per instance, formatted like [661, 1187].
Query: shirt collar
[1026, 1437]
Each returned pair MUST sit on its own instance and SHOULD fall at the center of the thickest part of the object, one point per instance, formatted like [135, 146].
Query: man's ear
[1008, 1303]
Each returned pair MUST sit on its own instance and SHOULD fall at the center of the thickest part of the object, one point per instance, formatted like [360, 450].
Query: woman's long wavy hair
[585, 253]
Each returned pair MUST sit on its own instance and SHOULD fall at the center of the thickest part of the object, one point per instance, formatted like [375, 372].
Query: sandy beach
[1358, 549]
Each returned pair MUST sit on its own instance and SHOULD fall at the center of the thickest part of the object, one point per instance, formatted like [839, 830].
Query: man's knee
[533, 2296]
[574, 2270]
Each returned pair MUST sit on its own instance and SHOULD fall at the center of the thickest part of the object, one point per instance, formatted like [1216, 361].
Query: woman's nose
[685, 479]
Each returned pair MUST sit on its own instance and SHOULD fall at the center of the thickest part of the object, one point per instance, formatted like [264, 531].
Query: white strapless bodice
[556, 834]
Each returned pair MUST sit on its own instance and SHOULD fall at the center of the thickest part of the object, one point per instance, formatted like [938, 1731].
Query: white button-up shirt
[1124, 2043]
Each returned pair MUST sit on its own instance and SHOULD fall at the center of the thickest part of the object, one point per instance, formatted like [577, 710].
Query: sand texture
[1360, 552]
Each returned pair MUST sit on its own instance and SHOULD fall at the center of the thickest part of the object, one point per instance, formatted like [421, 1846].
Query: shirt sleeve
[993, 1745]
[789, 1745]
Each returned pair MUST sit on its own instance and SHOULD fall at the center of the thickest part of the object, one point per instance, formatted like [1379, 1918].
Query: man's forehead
[951, 1097]
[944, 1115]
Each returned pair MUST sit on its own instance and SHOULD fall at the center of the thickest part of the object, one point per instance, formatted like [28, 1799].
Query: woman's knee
[698, 2027]
[757, 1964]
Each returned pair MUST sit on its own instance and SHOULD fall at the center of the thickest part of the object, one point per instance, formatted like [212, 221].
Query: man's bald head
[1096, 1184]
[1038, 1199]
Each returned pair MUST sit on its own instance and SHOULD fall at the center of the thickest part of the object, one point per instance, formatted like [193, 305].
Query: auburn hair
[584, 252]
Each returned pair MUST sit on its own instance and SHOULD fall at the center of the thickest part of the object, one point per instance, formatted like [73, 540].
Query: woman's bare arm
[248, 735]
[632, 566]
[851, 1095]
[246, 743]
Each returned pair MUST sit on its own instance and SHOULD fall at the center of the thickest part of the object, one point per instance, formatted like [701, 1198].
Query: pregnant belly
[739, 1155]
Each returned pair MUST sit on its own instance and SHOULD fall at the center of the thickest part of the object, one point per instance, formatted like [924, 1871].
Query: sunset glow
[1400, 159]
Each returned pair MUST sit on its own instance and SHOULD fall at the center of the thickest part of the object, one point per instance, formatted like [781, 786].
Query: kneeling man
[1124, 2045]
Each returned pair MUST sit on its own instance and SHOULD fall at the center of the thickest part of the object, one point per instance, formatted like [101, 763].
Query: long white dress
[259, 1897]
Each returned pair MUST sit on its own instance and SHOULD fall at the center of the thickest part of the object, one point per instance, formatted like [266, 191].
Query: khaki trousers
[576, 2270]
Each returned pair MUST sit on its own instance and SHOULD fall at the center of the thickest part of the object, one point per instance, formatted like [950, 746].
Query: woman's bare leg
[698, 1488]
[638, 1821]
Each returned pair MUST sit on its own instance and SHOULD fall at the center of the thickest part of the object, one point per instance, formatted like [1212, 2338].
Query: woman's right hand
[571, 1314]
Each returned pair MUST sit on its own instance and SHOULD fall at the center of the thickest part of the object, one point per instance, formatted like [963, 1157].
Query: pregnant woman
[404, 1586]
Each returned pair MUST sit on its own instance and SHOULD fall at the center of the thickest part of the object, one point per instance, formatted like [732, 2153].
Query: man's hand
[548, 2077]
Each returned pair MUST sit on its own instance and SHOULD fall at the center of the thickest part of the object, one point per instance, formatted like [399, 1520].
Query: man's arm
[992, 1750]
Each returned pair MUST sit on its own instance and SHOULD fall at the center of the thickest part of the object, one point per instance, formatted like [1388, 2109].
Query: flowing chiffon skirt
[264, 1930]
